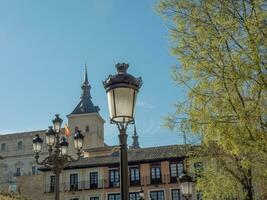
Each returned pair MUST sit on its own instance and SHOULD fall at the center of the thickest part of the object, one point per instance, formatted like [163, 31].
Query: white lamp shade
[63, 150]
[121, 102]
[78, 143]
[187, 188]
[141, 194]
[37, 144]
[37, 147]
[50, 139]
[57, 123]
[57, 126]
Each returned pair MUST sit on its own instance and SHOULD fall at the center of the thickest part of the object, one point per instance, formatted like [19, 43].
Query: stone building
[16, 149]
[96, 175]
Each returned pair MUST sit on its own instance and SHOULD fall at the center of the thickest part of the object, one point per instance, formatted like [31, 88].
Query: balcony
[135, 183]
[164, 179]
[105, 183]
[81, 185]
[114, 184]
[156, 181]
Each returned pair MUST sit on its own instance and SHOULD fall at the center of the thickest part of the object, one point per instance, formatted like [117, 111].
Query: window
[93, 180]
[18, 172]
[134, 196]
[134, 176]
[155, 174]
[114, 178]
[176, 170]
[94, 198]
[157, 195]
[114, 196]
[75, 198]
[52, 183]
[34, 171]
[3, 147]
[74, 182]
[87, 129]
[176, 194]
[20, 145]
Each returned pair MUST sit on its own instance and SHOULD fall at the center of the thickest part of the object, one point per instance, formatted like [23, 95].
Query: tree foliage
[222, 54]
[9, 196]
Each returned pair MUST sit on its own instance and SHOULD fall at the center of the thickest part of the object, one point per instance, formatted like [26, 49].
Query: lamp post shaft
[123, 165]
[57, 185]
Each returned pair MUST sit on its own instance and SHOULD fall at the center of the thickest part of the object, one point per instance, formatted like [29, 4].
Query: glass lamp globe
[122, 90]
[50, 136]
[57, 123]
[64, 146]
[37, 143]
[78, 140]
[186, 182]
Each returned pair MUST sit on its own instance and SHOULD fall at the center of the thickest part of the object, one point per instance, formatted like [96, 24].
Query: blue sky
[43, 48]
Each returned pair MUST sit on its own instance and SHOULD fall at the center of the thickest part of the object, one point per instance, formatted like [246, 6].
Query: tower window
[87, 129]
[3, 147]
[20, 145]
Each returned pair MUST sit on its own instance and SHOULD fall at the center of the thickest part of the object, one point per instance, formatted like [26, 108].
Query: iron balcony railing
[76, 186]
[105, 183]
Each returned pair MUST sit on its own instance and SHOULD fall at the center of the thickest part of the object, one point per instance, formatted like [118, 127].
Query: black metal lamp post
[57, 159]
[122, 90]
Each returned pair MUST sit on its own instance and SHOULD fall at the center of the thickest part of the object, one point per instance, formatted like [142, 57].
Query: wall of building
[31, 186]
[84, 193]
[94, 137]
[17, 159]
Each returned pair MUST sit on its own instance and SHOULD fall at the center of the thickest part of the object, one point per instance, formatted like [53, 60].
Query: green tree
[9, 196]
[222, 54]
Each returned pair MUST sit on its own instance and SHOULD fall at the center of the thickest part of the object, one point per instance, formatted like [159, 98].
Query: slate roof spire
[85, 105]
[135, 137]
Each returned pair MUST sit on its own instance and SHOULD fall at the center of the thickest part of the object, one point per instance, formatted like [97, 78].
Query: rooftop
[141, 155]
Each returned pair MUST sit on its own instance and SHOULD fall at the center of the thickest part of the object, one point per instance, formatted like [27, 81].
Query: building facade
[16, 149]
[96, 175]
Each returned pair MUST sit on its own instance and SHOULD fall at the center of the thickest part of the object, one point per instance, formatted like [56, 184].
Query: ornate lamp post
[122, 90]
[58, 158]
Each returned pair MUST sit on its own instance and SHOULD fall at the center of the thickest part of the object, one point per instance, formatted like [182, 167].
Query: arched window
[20, 145]
[87, 129]
[3, 147]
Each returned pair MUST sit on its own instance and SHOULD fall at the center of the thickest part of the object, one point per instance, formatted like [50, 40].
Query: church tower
[86, 118]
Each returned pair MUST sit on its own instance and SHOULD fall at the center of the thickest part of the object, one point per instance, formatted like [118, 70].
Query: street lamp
[141, 194]
[57, 159]
[122, 89]
[186, 182]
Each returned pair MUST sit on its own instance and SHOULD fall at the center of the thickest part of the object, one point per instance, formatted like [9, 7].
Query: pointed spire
[85, 105]
[135, 137]
[85, 74]
[86, 86]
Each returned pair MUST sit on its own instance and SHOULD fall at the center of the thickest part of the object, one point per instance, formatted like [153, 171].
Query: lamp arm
[71, 159]
[122, 125]
[46, 162]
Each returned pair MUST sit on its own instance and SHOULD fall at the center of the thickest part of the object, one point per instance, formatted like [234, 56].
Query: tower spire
[85, 105]
[86, 88]
[135, 137]
[85, 74]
